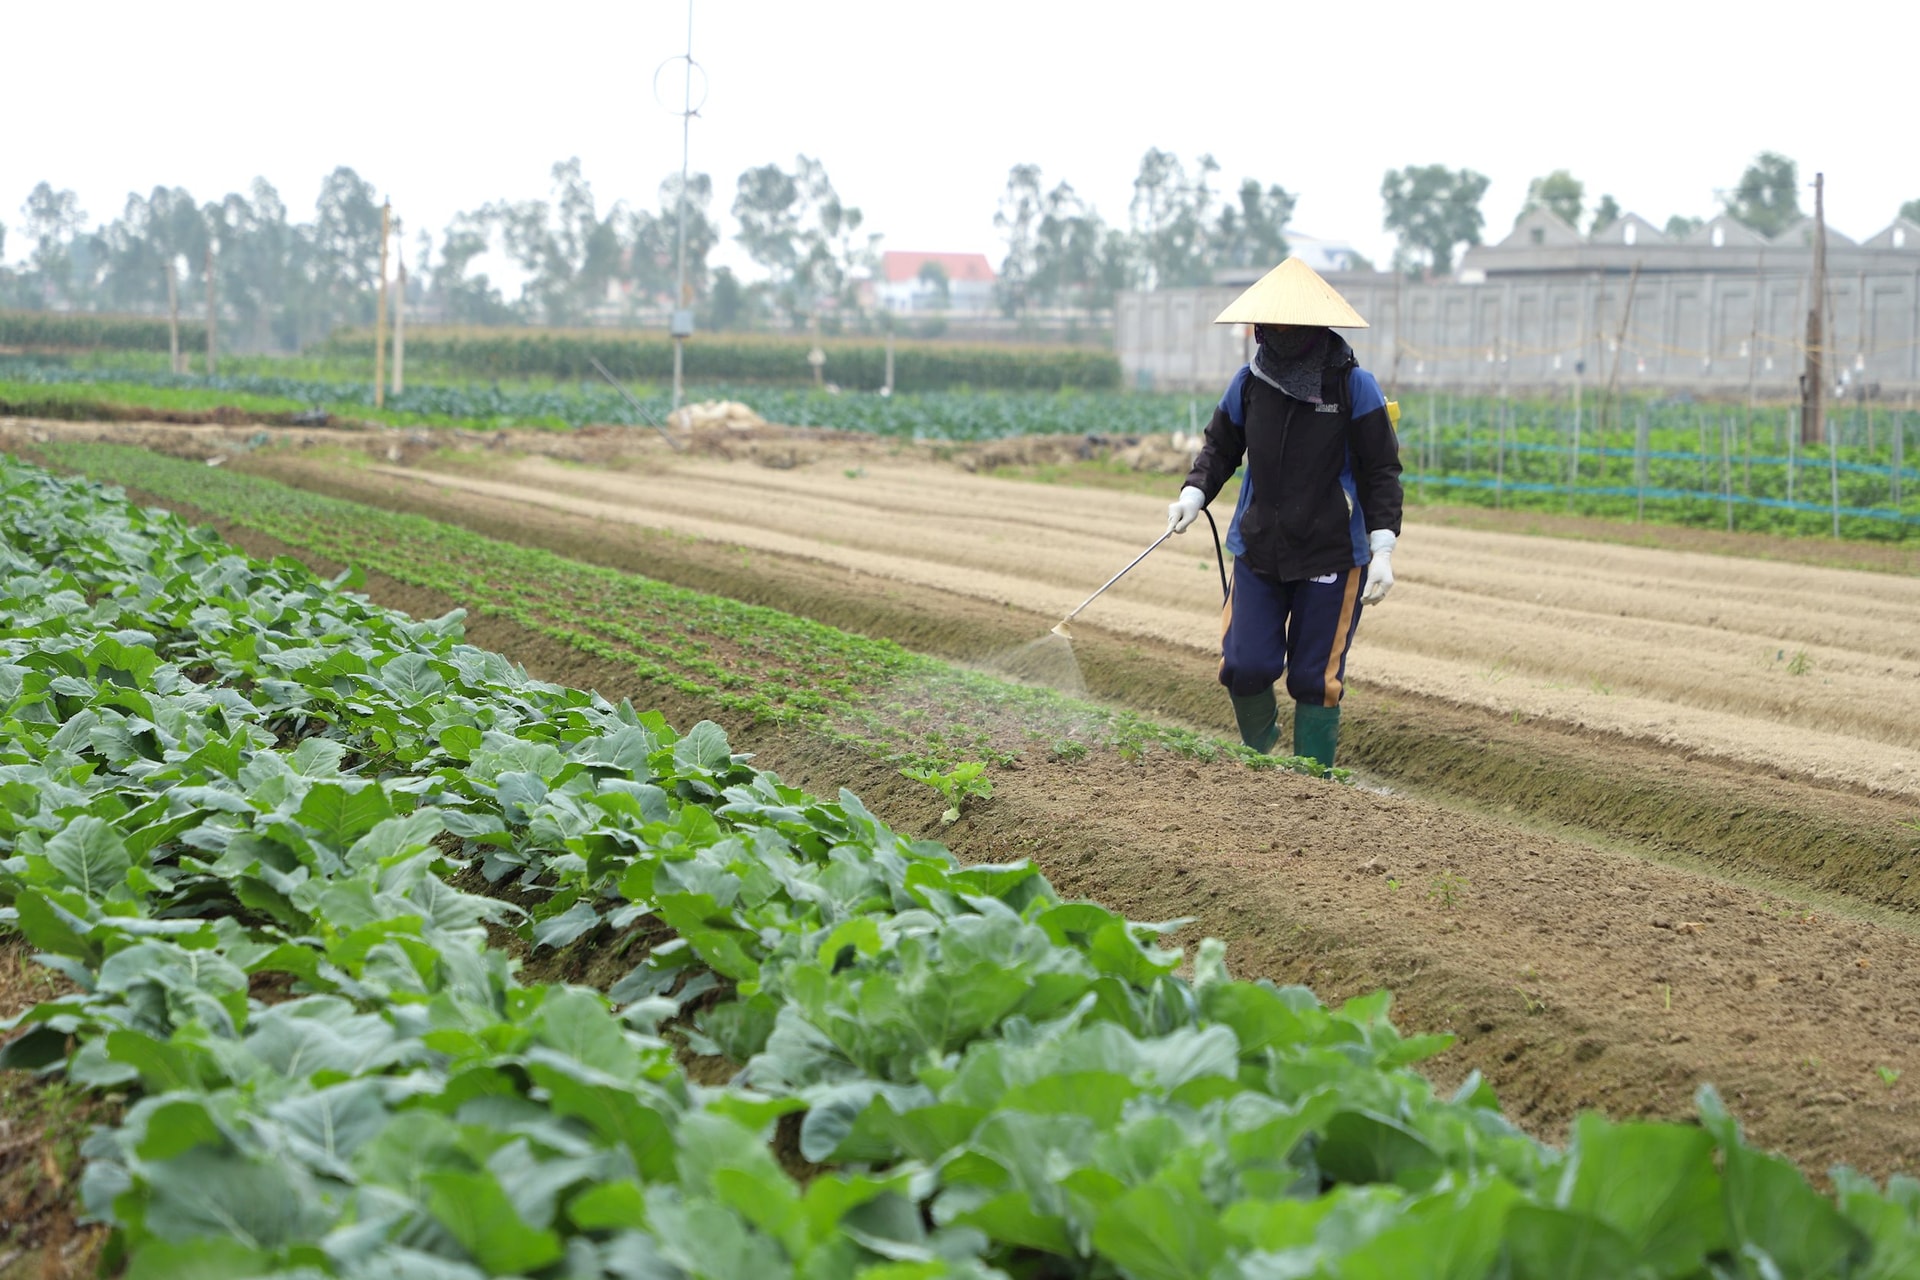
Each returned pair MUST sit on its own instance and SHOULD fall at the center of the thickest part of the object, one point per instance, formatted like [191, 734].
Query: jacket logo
[1326, 408]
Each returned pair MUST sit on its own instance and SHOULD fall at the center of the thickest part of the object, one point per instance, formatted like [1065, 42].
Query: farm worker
[1312, 536]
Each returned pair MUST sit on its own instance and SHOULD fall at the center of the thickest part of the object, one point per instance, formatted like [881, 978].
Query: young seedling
[1889, 1076]
[956, 786]
[1447, 888]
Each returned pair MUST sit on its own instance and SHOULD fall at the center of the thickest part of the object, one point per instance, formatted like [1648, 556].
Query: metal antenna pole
[680, 299]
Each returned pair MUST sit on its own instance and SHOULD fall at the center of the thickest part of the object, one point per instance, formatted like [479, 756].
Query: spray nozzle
[1060, 629]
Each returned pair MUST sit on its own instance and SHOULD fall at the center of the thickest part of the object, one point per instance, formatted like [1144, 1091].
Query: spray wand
[1066, 633]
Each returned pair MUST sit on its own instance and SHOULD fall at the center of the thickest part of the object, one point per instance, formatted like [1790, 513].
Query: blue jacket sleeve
[1226, 440]
[1376, 453]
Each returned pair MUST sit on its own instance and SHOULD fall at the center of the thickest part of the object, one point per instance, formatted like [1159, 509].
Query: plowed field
[1809, 670]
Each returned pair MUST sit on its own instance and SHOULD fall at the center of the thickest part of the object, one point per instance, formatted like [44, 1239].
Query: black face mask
[1288, 341]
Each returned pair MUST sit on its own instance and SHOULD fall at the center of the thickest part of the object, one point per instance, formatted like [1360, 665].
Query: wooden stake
[1640, 439]
[1726, 467]
[1812, 382]
[173, 316]
[213, 319]
[400, 330]
[380, 315]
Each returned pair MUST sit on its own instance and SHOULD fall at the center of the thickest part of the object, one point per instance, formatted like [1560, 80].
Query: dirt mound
[715, 415]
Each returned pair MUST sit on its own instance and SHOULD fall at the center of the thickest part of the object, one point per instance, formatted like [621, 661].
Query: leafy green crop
[248, 815]
[742, 358]
[956, 785]
[756, 664]
[58, 389]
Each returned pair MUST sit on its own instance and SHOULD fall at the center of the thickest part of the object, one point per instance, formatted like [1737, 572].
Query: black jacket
[1320, 478]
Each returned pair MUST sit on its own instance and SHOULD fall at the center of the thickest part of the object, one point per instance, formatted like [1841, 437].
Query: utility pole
[1753, 336]
[1812, 382]
[400, 327]
[380, 314]
[680, 324]
[213, 318]
[173, 315]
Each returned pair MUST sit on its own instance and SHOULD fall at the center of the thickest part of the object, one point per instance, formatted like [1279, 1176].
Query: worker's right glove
[1184, 510]
[1380, 573]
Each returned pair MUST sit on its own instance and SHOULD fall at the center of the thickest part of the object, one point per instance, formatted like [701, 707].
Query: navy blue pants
[1301, 630]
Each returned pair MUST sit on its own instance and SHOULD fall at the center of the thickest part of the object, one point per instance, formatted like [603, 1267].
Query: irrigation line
[1642, 492]
[637, 406]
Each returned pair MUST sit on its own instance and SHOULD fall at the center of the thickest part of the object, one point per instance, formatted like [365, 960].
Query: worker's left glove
[1380, 574]
[1185, 509]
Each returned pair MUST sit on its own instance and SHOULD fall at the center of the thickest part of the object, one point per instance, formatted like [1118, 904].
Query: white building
[906, 285]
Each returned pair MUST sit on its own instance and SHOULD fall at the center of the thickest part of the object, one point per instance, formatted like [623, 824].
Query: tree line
[282, 284]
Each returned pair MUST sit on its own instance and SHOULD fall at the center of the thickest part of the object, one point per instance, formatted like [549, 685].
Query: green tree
[730, 304]
[1559, 193]
[1605, 214]
[1680, 226]
[460, 297]
[1016, 219]
[1068, 246]
[1171, 215]
[1768, 197]
[153, 236]
[933, 275]
[1252, 233]
[1432, 208]
[766, 204]
[55, 228]
[1118, 267]
[810, 241]
[1910, 211]
[568, 250]
[653, 240]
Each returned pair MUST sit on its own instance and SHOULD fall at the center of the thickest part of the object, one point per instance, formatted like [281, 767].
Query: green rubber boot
[1316, 731]
[1258, 716]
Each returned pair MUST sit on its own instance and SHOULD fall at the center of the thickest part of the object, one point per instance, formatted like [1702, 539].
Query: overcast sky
[918, 110]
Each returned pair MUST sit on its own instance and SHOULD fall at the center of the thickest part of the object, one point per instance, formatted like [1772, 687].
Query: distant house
[1321, 255]
[906, 285]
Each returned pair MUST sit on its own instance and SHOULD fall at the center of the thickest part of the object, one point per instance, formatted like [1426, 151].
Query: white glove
[1186, 509]
[1380, 575]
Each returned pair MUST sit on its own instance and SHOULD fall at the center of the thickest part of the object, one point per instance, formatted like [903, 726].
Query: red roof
[900, 266]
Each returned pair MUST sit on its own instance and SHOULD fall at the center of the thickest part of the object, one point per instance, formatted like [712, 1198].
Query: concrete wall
[1694, 331]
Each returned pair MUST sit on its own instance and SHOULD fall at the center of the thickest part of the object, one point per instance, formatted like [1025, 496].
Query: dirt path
[1812, 671]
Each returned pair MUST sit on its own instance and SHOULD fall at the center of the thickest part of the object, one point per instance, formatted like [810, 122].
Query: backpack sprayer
[1065, 632]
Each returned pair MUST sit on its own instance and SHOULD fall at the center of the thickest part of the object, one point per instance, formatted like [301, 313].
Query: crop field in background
[282, 844]
[1677, 462]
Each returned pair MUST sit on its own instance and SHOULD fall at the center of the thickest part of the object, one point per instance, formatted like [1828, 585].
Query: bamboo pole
[380, 315]
[1813, 380]
[213, 319]
[173, 317]
[1640, 438]
[400, 329]
[1726, 466]
[1833, 473]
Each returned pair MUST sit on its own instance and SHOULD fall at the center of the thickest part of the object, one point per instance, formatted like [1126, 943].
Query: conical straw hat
[1292, 293]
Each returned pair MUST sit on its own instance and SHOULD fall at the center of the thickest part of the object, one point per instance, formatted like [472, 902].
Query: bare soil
[1815, 671]
[42, 1123]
